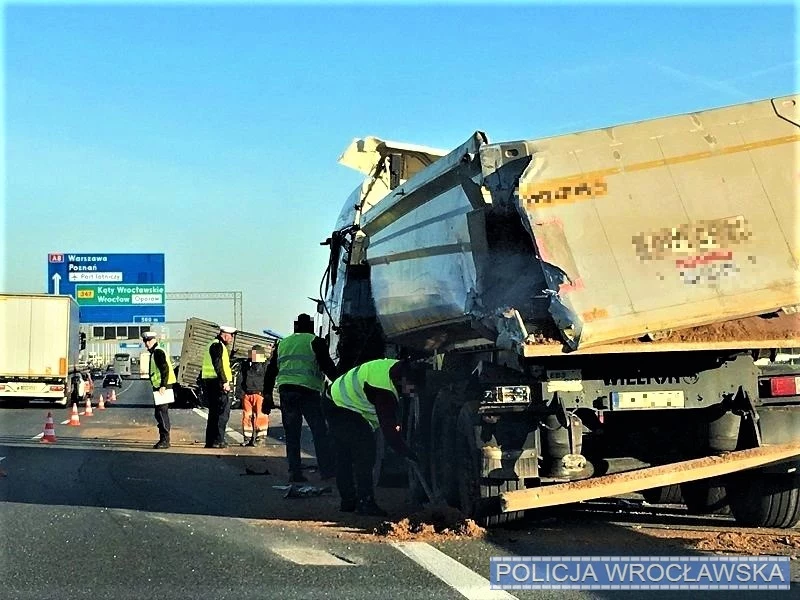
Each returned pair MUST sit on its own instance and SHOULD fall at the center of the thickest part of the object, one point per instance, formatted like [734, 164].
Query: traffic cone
[113, 396]
[49, 429]
[88, 412]
[101, 405]
[74, 419]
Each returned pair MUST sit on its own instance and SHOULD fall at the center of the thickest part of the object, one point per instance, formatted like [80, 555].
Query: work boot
[219, 445]
[348, 505]
[251, 443]
[162, 443]
[368, 507]
[297, 478]
[246, 442]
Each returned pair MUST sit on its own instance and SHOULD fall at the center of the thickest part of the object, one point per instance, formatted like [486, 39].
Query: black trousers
[219, 411]
[162, 419]
[354, 441]
[298, 402]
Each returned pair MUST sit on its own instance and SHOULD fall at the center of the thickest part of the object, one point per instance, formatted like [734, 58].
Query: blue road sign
[67, 270]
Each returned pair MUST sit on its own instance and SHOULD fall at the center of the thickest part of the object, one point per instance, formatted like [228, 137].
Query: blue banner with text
[640, 572]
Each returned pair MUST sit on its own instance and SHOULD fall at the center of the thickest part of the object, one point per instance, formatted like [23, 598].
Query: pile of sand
[753, 544]
[429, 524]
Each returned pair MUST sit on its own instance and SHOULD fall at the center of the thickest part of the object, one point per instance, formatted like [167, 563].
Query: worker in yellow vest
[359, 402]
[217, 379]
[162, 378]
[298, 366]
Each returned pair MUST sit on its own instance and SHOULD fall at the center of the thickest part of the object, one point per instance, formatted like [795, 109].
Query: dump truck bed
[196, 338]
[598, 238]
[669, 224]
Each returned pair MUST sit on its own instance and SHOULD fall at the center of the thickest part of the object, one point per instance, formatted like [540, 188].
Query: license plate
[647, 400]
[28, 387]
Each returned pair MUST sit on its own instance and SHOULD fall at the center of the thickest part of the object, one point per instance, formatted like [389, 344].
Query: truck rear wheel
[765, 500]
[669, 494]
[705, 497]
[479, 499]
[442, 443]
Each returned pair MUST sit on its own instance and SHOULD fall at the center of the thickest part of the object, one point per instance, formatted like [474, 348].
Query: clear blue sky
[211, 133]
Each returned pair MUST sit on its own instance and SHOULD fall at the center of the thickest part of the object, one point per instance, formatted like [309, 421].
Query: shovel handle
[422, 481]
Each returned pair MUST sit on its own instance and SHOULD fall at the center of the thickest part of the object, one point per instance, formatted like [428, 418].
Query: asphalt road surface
[100, 514]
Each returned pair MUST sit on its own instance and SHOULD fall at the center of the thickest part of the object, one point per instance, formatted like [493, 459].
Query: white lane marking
[236, 435]
[125, 389]
[311, 556]
[121, 391]
[463, 580]
[228, 431]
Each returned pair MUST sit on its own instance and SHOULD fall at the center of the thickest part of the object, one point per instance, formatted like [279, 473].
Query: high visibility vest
[297, 363]
[348, 390]
[208, 371]
[155, 373]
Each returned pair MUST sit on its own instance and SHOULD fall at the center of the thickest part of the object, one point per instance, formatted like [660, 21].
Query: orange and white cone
[113, 396]
[49, 430]
[74, 419]
[101, 405]
[88, 412]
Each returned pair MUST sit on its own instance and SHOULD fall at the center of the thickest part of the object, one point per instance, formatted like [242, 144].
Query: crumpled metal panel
[422, 267]
[667, 224]
[420, 246]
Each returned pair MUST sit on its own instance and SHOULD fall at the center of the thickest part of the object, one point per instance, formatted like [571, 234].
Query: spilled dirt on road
[751, 543]
[431, 523]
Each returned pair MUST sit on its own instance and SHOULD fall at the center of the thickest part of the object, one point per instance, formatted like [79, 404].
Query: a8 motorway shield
[110, 288]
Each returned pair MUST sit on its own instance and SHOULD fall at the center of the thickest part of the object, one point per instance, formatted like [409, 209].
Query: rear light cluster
[56, 388]
[784, 386]
[2, 386]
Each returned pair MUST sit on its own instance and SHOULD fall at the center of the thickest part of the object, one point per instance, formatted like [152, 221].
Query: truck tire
[479, 499]
[765, 500]
[669, 494]
[417, 440]
[442, 443]
[705, 497]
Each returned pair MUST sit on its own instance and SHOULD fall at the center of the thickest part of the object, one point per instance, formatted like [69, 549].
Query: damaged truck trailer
[595, 313]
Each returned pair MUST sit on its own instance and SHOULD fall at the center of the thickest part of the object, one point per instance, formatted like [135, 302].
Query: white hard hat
[227, 329]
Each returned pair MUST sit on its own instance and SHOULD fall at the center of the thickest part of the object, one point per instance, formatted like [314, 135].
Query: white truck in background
[144, 365]
[39, 346]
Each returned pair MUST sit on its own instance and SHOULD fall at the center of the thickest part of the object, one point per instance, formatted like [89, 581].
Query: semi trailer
[39, 347]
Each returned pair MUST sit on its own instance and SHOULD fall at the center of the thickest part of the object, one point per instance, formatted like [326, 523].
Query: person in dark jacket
[298, 366]
[162, 378]
[250, 387]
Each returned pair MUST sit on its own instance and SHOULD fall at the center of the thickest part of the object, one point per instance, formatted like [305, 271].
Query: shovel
[433, 501]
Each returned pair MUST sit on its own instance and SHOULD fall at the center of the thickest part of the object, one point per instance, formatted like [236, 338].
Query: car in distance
[112, 380]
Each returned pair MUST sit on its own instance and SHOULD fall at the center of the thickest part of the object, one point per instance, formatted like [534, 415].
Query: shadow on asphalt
[220, 483]
[128, 474]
